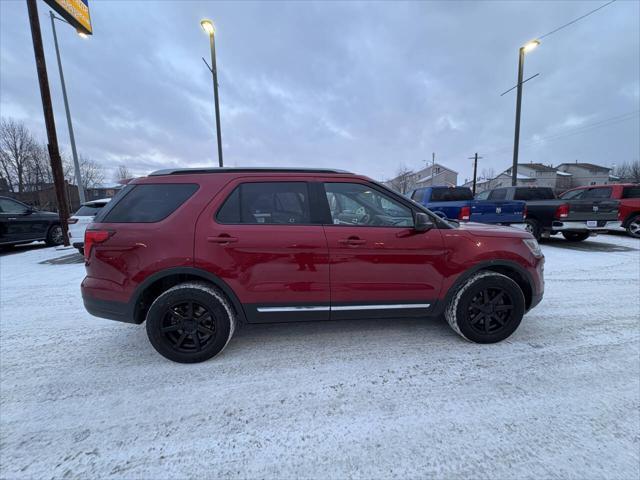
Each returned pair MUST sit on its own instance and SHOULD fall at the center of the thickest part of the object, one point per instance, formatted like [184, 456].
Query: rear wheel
[533, 227]
[54, 236]
[487, 308]
[576, 236]
[633, 227]
[191, 322]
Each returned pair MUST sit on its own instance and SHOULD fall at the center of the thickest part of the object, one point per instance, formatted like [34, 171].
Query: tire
[576, 236]
[633, 226]
[506, 306]
[195, 335]
[533, 227]
[54, 236]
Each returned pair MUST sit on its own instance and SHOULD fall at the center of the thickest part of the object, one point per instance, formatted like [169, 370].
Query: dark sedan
[20, 223]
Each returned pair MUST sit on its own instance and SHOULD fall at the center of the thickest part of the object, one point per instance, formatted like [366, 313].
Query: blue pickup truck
[457, 203]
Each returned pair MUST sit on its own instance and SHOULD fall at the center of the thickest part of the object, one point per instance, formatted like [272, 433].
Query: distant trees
[628, 172]
[24, 162]
[404, 180]
[122, 173]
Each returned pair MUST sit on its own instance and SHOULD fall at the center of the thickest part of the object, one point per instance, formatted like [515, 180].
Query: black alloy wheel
[490, 311]
[188, 326]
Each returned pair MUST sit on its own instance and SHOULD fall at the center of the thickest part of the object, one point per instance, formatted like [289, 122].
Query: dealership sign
[76, 12]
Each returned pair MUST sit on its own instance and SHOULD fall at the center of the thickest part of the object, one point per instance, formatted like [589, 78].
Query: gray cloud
[362, 86]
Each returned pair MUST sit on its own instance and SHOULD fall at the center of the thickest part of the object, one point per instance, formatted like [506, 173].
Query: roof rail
[187, 171]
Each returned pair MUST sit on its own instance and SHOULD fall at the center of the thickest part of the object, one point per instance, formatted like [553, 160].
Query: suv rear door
[380, 266]
[262, 238]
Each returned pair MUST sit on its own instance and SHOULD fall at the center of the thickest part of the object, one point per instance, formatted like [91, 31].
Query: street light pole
[207, 26]
[516, 141]
[76, 163]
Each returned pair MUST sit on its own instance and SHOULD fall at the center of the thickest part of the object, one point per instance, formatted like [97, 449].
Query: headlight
[533, 245]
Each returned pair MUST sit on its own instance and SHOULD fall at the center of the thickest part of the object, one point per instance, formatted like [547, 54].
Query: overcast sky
[360, 86]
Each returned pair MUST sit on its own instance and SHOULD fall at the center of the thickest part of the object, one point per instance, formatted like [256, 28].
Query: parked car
[628, 194]
[547, 215]
[81, 219]
[458, 203]
[196, 253]
[20, 223]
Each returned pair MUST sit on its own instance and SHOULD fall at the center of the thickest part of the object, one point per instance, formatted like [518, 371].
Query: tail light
[465, 213]
[562, 211]
[72, 220]
[524, 212]
[92, 237]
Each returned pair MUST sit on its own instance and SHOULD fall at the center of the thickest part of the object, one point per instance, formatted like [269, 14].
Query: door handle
[352, 241]
[222, 239]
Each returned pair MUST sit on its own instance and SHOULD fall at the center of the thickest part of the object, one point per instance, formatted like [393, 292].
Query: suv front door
[265, 243]
[380, 265]
[18, 223]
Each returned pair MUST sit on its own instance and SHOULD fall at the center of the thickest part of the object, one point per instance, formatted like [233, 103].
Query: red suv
[195, 253]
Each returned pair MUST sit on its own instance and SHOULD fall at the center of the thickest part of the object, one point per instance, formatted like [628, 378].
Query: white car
[81, 219]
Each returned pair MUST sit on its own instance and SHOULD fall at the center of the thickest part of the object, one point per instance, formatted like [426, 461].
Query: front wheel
[191, 322]
[575, 236]
[633, 227]
[487, 308]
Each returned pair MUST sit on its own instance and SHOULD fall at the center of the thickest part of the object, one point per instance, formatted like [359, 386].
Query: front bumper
[601, 226]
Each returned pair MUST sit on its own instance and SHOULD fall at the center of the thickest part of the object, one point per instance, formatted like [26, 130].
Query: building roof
[539, 167]
[564, 174]
[589, 166]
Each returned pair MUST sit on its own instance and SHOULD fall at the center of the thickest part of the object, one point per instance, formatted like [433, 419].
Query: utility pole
[475, 159]
[45, 94]
[433, 166]
[72, 138]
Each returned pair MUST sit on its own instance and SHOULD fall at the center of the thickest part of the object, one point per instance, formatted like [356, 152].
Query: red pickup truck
[627, 193]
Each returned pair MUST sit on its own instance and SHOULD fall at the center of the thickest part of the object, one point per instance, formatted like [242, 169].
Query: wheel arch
[629, 217]
[505, 267]
[161, 281]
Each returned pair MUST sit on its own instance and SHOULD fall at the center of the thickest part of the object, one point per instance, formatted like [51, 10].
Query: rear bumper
[107, 309]
[558, 226]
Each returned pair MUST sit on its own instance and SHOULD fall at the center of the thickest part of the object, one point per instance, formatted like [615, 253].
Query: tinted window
[597, 193]
[483, 195]
[89, 210]
[9, 206]
[534, 194]
[282, 203]
[451, 194]
[572, 195]
[148, 203]
[631, 192]
[500, 194]
[417, 194]
[361, 205]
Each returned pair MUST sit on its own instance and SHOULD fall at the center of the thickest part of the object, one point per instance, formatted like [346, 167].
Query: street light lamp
[209, 29]
[526, 48]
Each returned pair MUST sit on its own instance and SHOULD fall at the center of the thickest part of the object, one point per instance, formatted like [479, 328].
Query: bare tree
[16, 152]
[404, 180]
[628, 172]
[487, 174]
[91, 172]
[122, 173]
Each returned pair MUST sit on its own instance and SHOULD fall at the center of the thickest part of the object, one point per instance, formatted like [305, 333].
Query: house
[586, 174]
[432, 175]
[436, 175]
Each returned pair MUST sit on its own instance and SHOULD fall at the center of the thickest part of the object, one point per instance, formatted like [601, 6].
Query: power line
[576, 131]
[575, 20]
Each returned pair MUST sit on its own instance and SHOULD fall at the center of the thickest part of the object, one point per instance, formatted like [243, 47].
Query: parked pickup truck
[547, 215]
[457, 203]
[627, 193]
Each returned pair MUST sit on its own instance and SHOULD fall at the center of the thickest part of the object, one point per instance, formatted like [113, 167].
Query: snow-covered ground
[89, 398]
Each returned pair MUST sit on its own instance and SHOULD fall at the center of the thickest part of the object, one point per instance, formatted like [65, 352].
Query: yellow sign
[76, 12]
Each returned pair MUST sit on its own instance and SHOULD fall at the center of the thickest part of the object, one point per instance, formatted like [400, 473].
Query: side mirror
[422, 222]
[29, 211]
